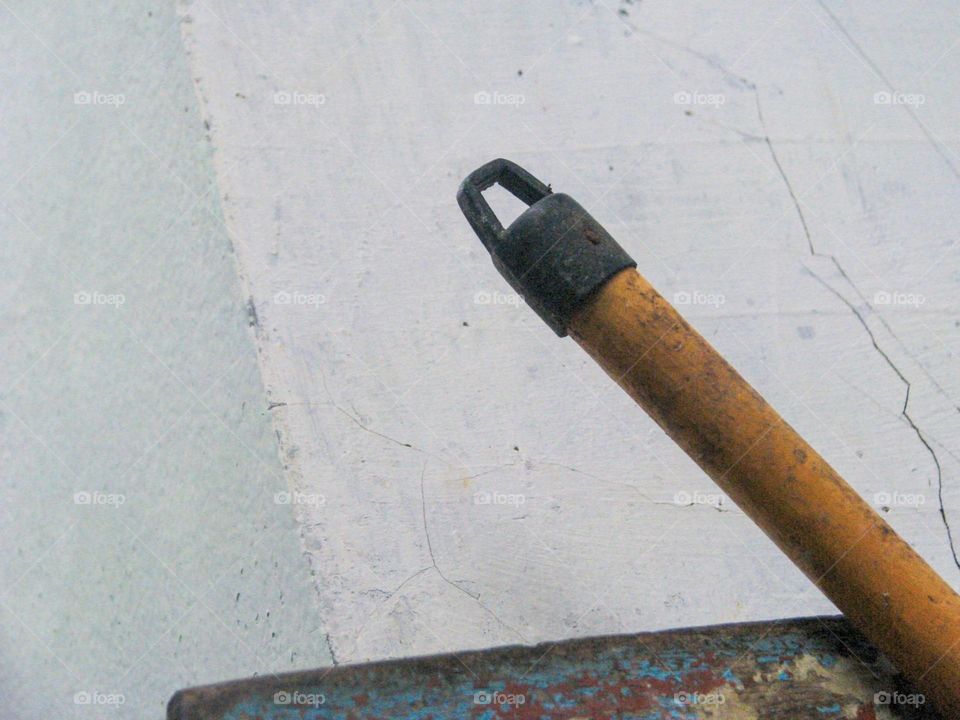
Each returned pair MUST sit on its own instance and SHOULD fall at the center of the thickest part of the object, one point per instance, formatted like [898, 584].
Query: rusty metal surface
[786, 670]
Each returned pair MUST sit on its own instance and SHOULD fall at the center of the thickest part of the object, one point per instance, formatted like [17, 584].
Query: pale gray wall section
[197, 576]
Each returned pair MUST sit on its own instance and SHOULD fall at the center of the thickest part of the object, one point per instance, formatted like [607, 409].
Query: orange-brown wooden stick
[876, 579]
[581, 282]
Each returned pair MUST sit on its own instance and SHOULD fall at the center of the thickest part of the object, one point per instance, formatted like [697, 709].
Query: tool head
[555, 255]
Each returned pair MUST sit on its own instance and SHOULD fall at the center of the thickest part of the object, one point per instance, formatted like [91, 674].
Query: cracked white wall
[791, 168]
[774, 162]
[788, 168]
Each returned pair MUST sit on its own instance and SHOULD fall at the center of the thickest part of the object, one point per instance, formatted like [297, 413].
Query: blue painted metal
[785, 670]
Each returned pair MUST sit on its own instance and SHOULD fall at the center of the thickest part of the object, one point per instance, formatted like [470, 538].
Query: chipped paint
[759, 671]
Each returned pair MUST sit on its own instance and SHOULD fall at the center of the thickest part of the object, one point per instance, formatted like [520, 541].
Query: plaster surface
[786, 172]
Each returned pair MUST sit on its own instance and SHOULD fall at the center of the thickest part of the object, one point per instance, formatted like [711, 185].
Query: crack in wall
[934, 143]
[433, 560]
[906, 400]
[782, 173]
[333, 654]
[748, 84]
[873, 340]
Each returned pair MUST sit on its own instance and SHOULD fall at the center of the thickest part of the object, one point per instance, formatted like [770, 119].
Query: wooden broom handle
[869, 572]
[581, 282]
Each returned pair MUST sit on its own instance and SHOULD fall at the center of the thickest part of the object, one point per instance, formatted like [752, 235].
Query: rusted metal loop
[521, 184]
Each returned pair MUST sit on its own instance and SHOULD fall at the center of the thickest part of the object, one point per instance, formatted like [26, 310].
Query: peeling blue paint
[590, 677]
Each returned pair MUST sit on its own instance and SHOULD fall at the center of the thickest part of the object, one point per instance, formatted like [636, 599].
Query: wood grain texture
[839, 541]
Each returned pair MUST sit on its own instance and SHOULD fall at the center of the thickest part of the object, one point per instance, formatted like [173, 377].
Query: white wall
[783, 186]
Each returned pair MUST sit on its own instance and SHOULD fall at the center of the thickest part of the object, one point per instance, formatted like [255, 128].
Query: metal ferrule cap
[555, 255]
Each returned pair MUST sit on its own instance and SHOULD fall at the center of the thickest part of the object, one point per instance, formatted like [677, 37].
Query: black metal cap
[555, 254]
